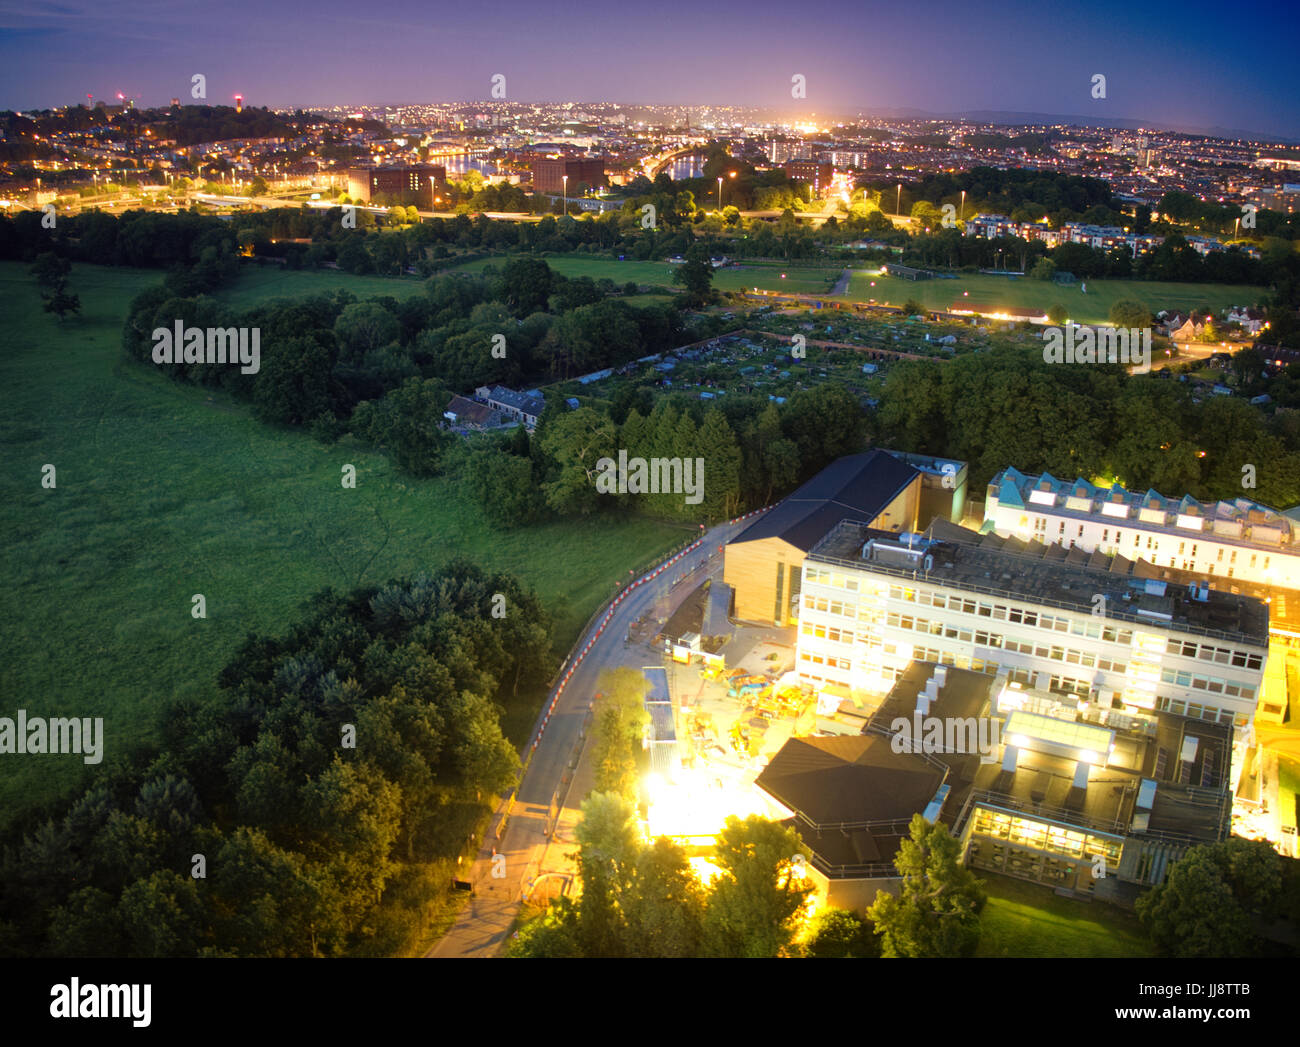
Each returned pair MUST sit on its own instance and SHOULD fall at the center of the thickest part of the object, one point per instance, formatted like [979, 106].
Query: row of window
[1153, 543]
[825, 576]
[820, 603]
[1095, 630]
[1213, 684]
[1209, 653]
[817, 659]
[1194, 710]
[1067, 655]
[1026, 832]
[826, 632]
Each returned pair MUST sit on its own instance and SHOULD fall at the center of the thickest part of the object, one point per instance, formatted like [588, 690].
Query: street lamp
[565, 180]
[898, 199]
[719, 192]
[962, 217]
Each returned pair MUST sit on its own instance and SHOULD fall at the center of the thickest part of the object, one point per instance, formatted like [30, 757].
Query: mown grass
[993, 293]
[165, 491]
[1027, 919]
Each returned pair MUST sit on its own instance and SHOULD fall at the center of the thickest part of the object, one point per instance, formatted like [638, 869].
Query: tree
[913, 308]
[526, 285]
[936, 912]
[664, 903]
[1044, 269]
[364, 327]
[608, 846]
[52, 274]
[1212, 900]
[1058, 314]
[163, 916]
[840, 934]
[696, 275]
[620, 727]
[754, 903]
[353, 256]
[503, 486]
[407, 423]
[1129, 313]
[573, 443]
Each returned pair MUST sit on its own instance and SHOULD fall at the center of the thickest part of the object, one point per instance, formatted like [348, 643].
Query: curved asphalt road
[482, 926]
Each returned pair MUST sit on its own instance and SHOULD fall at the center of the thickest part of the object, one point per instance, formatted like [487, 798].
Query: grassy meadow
[166, 490]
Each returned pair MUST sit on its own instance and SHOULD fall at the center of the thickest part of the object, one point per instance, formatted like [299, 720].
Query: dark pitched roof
[472, 412]
[851, 778]
[856, 487]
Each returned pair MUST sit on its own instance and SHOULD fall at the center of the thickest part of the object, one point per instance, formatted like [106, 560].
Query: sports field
[166, 490]
[992, 294]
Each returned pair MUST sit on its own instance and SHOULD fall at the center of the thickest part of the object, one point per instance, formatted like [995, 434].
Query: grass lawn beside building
[1027, 919]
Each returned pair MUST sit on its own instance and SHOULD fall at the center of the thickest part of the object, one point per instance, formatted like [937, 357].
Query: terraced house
[1241, 540]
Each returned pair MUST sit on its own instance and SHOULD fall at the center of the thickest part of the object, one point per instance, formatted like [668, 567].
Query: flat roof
[1046, 575]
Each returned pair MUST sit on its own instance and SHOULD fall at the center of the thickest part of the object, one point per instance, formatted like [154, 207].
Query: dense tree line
[324, 356]
[754, 452]
[1007, 407]
[341, 763]
[1023, 193]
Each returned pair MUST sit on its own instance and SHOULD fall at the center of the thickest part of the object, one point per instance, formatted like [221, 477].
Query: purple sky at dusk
[1188, 64]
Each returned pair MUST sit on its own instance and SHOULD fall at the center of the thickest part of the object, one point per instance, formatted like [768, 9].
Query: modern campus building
[1062, 621]
[892, 490]
[1038, 785]
[1224, 542]
[412, 184]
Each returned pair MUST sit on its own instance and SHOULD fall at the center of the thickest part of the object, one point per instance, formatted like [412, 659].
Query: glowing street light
[565, 180]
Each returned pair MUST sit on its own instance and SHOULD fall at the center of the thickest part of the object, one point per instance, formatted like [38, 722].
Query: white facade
[1224, 542]
[861, 624]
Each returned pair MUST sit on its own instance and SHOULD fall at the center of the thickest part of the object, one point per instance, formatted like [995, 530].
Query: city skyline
[1009, 62]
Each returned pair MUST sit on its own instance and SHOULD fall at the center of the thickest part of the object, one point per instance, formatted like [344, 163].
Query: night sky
[1180, 64]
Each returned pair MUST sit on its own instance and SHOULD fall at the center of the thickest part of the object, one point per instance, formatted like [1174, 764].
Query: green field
[266, 282]
[165, 490]
[655, 274]
[763, 275]
[1026, 919]
[993, 293]
[768, 277]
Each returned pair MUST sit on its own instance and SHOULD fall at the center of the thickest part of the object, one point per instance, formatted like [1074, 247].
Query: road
[482, 926]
